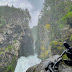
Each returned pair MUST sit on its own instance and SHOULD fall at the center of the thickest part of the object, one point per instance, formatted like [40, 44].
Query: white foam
[25, 62]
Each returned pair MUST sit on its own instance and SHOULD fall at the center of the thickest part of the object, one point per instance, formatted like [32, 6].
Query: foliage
[47, 27]
[45, 52]
[11, 67]
[14, 15]
[56, 43]
[57, 47]
[15, 41]
[54, 17]
[42, 55]
[67, 19]
[65, 57]
[2, 21]
[42, 47]
[8, 48]
[71, 38]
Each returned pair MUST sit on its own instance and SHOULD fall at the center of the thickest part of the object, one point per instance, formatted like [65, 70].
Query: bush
[2, 21]
[57, 47]
[66, 20]
[11, 67]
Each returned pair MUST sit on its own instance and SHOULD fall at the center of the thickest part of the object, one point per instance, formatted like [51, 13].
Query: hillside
[54, 27]
[15, 37]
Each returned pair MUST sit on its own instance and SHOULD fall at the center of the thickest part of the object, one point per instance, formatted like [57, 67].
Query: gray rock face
[41, 67]
[13, 43]
[13, 25]
[26, 46]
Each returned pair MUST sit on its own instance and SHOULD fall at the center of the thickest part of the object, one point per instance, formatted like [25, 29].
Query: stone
[41, 67]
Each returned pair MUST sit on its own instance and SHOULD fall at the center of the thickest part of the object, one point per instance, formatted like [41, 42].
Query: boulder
[41, 67]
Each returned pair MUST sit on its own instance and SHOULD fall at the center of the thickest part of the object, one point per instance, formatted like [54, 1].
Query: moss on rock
[57, 47]
[12, 66]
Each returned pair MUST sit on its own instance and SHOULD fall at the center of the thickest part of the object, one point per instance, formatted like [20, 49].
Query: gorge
[22, 47]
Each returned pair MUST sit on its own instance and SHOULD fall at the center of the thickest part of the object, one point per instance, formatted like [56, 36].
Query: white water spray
[25, 62]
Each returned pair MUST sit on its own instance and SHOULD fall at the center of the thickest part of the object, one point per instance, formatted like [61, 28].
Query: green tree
[2, 21]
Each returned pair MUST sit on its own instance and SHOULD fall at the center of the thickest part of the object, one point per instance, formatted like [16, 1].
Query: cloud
[4, 3]
[17, 3]
[34, 16]
[23, 4]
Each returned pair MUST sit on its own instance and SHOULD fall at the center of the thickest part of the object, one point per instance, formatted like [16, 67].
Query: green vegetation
[57, 46]
[44, 53]
[8, 48]
[53, 25]
[2, 21]
[65, 57]
[11, 67]
[10, 15]
[15, 41]
[1, 52]
[71, 38]
[67, 19]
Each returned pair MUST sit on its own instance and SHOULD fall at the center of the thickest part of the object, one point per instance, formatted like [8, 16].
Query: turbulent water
[25, 62]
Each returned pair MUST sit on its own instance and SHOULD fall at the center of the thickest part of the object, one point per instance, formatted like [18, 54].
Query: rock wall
[43, 43]
[14, 44]
[41, 67]
[26, 44]
[15, 37]
[57, 45]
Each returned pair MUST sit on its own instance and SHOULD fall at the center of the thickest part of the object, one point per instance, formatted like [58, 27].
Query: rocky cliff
[54, 27]
[15, 37]
[41, 67]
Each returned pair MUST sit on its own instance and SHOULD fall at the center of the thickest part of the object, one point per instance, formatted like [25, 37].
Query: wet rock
[26, 46]
[41, 67]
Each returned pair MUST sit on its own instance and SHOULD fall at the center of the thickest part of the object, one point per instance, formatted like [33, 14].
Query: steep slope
[15, 37]
[54, 27]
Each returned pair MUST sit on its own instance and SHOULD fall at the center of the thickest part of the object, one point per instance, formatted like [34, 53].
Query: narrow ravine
[24, 63]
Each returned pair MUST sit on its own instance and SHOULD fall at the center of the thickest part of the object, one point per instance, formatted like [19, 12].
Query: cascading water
[24, 63]
[34, 46]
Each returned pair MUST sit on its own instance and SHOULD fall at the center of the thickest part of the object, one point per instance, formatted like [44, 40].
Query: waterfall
[24, 63]
[34, 46]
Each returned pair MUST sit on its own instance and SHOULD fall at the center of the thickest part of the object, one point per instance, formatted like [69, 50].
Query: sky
[34, 6]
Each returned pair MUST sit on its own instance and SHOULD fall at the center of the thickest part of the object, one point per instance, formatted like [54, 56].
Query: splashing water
[25, 62]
